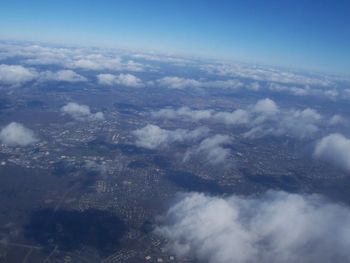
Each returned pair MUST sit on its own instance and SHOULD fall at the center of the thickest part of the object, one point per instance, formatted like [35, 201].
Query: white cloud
[296, 123]
[266, 107]
[127, 80]
[334, 148]
[337, 120]
[15, 134]
[264, 118]
[152, 136]
[106, 79]
[213, 149]
[89, 64]
[181, 83]
[16, 75]
[96, 62]
[276, 227]
[62, 75]
[297, 91]
[236, 117]
[81, 112]
[96, 59]
[270, 74]
[178, 83]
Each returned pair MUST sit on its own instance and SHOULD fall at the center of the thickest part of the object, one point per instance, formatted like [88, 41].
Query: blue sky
[305, 34]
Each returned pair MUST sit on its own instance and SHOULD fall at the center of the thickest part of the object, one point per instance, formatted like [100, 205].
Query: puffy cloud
[100, 62]
[263, 118]
[212, 148]
[266, 107]
[81, 112]
[308, 114]
[106, 79]
[152, 136]
[181, 83]
[15, 134]
[274, 227]
[236, 117]
[96, 62]
[334, 148]
[297, 91]
[337, 120]
[95, 59]
[281, 80]
[16, 75]
[261, 73]
[121, 79]
[90, 64]
[296, 123]
[62, 75]
[178, 83]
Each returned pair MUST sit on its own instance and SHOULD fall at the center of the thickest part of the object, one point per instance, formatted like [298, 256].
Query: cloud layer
[276, 227]
[15, 134]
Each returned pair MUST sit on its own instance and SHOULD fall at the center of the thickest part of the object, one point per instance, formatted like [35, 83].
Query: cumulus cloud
[16, 75]
[266, 107]
[337, 120]
[263, 108]
[62, 75]
[296, 123]
[181, 83]
[236, 117]
[15, 134]
[334, 148]
[81, 112]
[297, 91]
[282, 80]
[152, 136]
[178, 83]
[98, 62]
[260, 73]
[213, 149]
[276, 227]
[127, 80]
[96, 59]
[264, 118]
